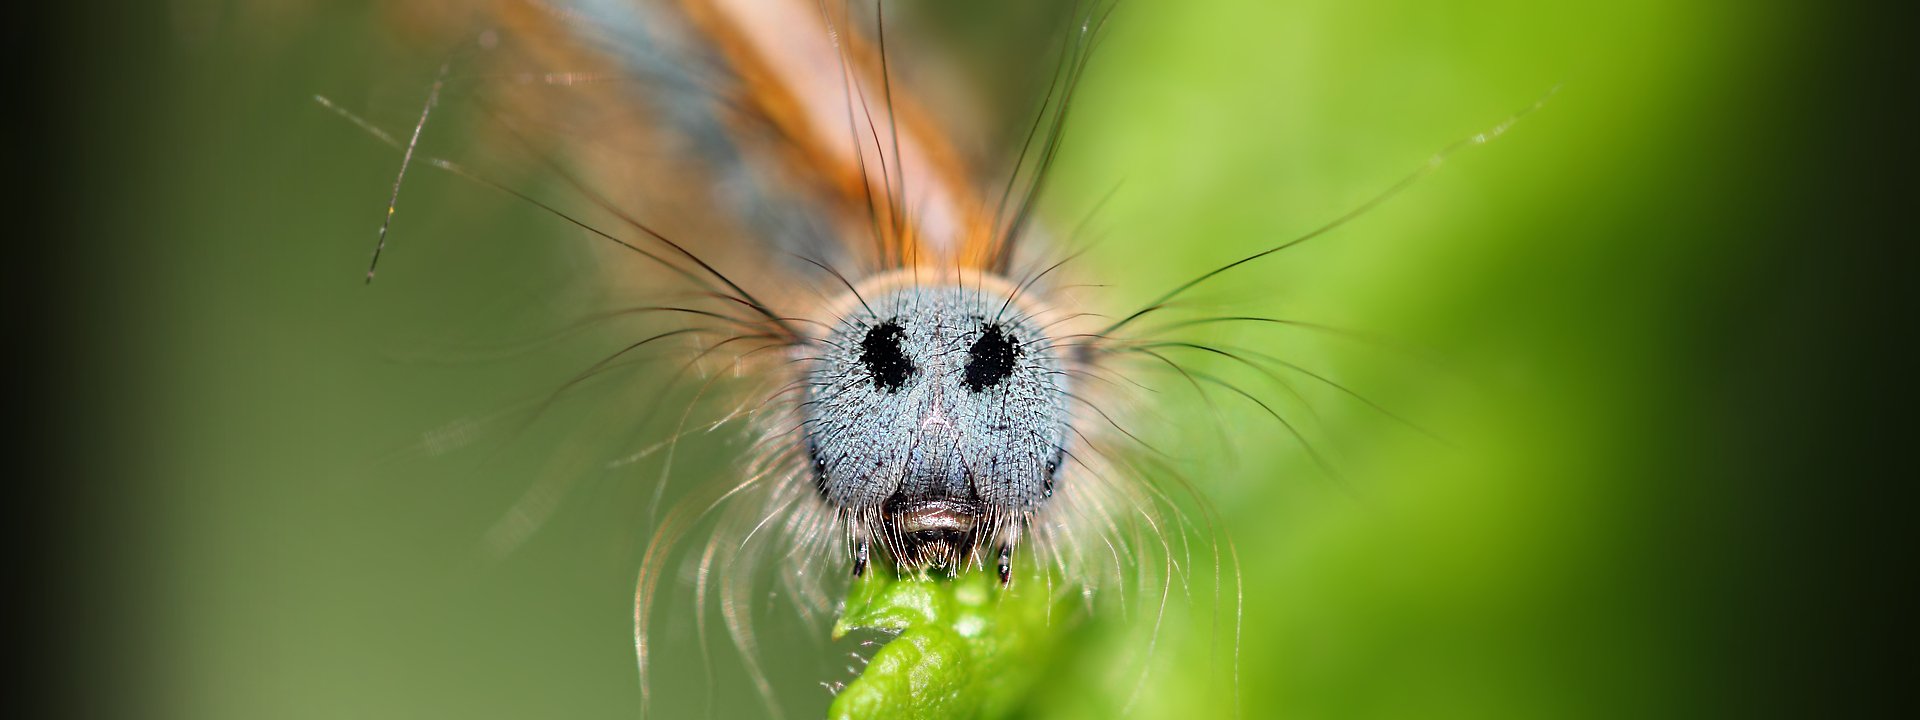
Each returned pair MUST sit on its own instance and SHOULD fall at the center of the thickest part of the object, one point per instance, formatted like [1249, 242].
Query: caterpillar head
[936, 420]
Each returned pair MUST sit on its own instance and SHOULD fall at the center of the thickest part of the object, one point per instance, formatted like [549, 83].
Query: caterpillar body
[885, 314]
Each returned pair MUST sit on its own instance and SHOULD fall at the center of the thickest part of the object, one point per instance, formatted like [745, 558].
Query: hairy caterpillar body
[889, 322]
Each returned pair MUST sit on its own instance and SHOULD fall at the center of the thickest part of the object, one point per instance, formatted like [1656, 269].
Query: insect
[896, 330]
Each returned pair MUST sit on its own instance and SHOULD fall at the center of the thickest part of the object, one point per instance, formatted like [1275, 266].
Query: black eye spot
[991, 359]
[886, 362]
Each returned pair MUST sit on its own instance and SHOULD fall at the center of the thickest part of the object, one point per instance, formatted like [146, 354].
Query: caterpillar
[889, 320]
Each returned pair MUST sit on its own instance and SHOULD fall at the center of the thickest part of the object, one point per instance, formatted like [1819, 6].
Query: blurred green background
[1645, 292]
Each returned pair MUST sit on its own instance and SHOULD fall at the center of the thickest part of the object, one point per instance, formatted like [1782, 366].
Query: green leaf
[964, 647]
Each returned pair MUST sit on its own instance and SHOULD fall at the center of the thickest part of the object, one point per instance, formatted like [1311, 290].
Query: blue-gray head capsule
[936, 420]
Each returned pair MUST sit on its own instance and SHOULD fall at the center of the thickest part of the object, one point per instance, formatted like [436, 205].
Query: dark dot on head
[991, 359]
[886, 362]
